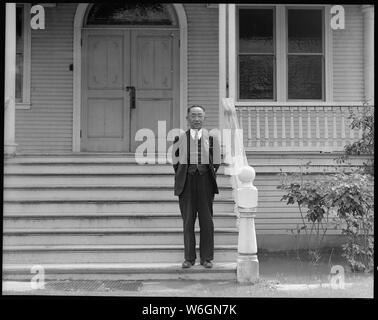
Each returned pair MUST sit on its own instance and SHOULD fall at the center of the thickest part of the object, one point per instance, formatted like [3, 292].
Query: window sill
[23, 105]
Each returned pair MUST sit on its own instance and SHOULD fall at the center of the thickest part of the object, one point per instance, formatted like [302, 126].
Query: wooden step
[60, 220]
[123, 271]
[89, 168]
[109, 236]
[83, 180]
[106, 254]
[92, 193]
[84, 206]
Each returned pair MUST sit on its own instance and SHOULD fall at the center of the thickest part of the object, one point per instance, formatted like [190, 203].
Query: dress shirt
[193, 133]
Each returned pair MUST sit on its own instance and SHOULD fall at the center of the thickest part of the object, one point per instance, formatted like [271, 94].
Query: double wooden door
[130, 81]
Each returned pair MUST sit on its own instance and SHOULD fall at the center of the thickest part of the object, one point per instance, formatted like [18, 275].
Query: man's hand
[216, 152]
[175, 153]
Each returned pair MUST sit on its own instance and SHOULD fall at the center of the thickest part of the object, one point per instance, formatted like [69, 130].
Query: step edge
[105, 247]
[84, 231]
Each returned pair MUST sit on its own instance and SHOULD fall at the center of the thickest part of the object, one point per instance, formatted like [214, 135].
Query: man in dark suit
[196, 159]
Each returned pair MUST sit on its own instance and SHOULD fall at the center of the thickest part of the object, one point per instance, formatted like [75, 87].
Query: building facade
[278, 59]
[86, 77]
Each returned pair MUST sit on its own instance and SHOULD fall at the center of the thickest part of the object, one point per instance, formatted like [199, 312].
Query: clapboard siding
[348, 78]
[273, 215]
[203, 60]
[47, 126]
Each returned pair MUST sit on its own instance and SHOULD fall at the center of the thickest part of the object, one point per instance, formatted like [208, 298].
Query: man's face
[195, 117]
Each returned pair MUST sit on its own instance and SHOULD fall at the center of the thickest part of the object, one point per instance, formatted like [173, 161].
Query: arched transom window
[148, 14]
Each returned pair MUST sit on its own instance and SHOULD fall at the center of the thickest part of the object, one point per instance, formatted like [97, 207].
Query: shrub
[310, 195]
[365, 145]
[353, 199]
[349, 194]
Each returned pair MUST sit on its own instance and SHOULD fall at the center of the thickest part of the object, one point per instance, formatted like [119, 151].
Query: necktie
[194, 149]
[198, 154]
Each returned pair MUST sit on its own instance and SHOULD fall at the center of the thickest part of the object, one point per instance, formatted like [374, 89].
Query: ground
[280, 276]
[361, 287]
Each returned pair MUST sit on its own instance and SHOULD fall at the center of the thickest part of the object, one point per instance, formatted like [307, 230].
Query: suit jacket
[210, 150]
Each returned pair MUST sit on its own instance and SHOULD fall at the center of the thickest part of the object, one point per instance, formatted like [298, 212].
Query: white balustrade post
[258, 141]
[266, 127]
[326, 140]
[247, 195]
[292, 126]
[300, 127]
[275, 135]
[283, 126]
[334, 127]
[317, 127]
[249, 128]
[343, 140]
[309, 144]
[10, 80]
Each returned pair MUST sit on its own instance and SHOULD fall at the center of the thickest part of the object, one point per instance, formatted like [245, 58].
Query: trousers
[198, 197]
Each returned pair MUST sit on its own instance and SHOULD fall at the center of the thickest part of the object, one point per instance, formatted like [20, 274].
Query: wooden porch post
[368, 12]
[232, 51]
[222, 60]
[10, 80]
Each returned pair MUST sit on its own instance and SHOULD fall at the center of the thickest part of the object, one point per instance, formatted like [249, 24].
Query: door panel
[105, 118]
[163, 64]
[115, 59]
[155, 74]
[105, 63]
[151, 111]
[105, 112]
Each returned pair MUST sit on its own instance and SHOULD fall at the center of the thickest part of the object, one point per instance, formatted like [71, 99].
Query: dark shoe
[207, 264]
[187, 264]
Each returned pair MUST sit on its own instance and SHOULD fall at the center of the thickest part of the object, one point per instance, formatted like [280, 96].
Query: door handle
[132, 96]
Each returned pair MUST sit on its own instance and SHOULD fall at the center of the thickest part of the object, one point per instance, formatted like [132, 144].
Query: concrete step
[122, 180]
[109, 236]
[123, 271]
[49, 206]
[101, 220]
[106, 254]
[91, 193]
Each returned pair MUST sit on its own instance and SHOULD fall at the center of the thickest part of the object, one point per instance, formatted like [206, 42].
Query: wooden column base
[247, 268]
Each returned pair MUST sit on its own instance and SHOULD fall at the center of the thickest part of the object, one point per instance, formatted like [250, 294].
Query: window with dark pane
[19, 51]
[305, 77]
[256, 54]
[305, 54]
[131, 14]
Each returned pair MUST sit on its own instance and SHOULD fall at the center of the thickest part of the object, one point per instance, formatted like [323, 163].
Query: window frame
[281, 55]
[257, 7]
[322, 54]
[26, 75]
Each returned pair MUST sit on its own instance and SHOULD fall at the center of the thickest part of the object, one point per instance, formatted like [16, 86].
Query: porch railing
[244, 193]
[297, 128]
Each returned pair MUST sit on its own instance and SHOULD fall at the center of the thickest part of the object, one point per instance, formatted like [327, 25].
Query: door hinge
[81, 42]
[179, 43]
[80, 133]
